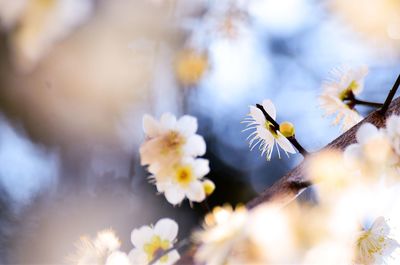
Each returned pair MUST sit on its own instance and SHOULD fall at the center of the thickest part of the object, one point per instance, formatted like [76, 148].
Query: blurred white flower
[149, 242]
[344, 84]
[372, 154]
[10, 11]
[374, 244]
[186, 181]
[224, 229]
[41, 23]
[96, 252]
[118, 258]
[393, 133]
[265, 133]
[168, 141]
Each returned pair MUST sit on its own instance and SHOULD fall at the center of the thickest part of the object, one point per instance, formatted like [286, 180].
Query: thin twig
[367, 103]
[390, 96]
[292, 139]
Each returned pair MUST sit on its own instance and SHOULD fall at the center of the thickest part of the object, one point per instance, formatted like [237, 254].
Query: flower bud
[209, 187]
[287, 129]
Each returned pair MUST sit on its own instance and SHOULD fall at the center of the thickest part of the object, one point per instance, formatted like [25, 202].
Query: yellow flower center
[172, 142]
[350, 89]
[369, 245]
[271, 128]
[184, 175]
[156, 247]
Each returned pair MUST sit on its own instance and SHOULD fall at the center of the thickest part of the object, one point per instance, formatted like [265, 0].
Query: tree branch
[294, 181]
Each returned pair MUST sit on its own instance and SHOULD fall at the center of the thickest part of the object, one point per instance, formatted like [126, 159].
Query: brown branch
[291, 183]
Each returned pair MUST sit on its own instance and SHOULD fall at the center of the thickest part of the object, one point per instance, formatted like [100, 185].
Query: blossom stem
[390, 96]
[292, 139]
[179, 245]
[366, 103]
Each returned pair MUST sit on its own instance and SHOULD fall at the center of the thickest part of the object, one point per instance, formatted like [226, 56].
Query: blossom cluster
[170, 152]
[353, 220]
[151, 244]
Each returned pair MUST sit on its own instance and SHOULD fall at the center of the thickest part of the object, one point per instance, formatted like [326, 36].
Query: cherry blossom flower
[168, 142]
[372, 154]
[96, 251]
[265, 133]
[344, 84]
[149, 242]
[224, 229]
[374, 245]
[185, 182]
[190, 67]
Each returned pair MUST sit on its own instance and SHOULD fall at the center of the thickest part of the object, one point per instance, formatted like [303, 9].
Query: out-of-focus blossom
[393, 133]
[378, 21]
[344, 84]
[191, 67]
[118, 258]
[224, 230]
[265, 133]
[374, 244]
[10, 11]
[168, 142]
[41, 23]
[372, 154]
[150, 242]
[97, 251]
[186, 181]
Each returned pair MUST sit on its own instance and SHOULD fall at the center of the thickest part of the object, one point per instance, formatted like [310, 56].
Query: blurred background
[76, 77]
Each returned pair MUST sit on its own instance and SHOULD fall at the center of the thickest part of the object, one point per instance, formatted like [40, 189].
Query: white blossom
[265, 134]
[344, 83]
[149, 242]
[185, 181]
[169, 141]
[374, 244]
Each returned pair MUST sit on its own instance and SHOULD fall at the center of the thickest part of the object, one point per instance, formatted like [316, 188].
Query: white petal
[201, 167]
[365, 132]
[380, 226]
[168, 121]
[174, 195]
[141, 236]
[138, 256]
[195, 192]
[195, 146]
[187, 125]
[269, 108]
[118, 258]
[285, 144]
[173, 257]
[151, 127]
[257, 115]
[167, 229]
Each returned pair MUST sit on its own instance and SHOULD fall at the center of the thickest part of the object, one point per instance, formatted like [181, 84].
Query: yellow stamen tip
[209, 187]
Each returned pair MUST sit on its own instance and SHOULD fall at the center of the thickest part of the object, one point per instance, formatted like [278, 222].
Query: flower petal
[168, 121]
[269, 108]
[141, 236]
[151, 127]
[118, 258]
[195, 192]
[167, 229]
[365, 132]
[285, 144]
[195, 146]
[174, 195]
[201, 167]
[137, 256]
[187, 125]
[257, 115]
